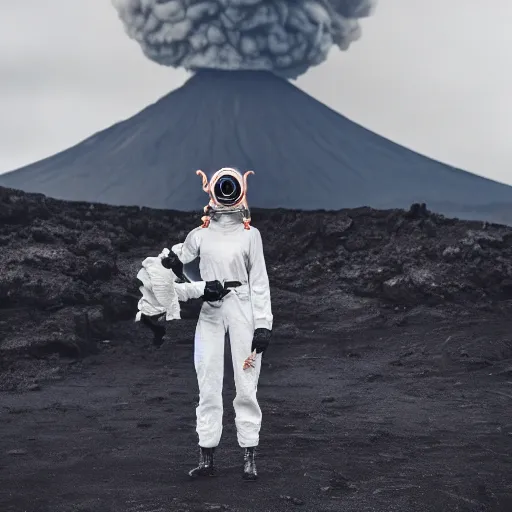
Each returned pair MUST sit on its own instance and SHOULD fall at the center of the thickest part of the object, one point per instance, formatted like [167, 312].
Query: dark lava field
[387, 387]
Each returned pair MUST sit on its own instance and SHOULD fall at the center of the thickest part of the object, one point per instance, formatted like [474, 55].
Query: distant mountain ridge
[305, 156]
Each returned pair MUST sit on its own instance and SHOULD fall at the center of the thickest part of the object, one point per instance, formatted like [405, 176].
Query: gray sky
[432, 75]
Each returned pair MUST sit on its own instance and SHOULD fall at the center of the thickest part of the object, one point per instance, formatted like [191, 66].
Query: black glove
[172, 262]
[214, 291]
[157, 329]
[261, 340]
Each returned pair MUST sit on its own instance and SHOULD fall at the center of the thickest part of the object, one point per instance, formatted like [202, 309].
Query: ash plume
[283, 36]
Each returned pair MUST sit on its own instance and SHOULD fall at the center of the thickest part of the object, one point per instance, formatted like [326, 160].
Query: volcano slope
[387, 387]
[304, 154]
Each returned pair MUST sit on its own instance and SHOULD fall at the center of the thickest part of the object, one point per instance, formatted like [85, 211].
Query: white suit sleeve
[259, 283]
[189, 250]
[187, 291]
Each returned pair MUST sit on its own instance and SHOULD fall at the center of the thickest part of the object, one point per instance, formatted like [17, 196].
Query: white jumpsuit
[228, 252]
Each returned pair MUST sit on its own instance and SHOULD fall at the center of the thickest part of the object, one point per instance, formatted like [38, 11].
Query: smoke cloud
[283, 36]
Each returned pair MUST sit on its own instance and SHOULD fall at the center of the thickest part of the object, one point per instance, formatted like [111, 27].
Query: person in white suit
[230, 252]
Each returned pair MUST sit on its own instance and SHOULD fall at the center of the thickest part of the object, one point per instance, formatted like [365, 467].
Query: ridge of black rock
[69, 269]
[305, 155]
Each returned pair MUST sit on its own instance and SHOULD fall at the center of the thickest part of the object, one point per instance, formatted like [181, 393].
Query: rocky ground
[388, 386]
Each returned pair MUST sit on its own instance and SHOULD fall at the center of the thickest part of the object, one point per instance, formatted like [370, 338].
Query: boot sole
[202, 475]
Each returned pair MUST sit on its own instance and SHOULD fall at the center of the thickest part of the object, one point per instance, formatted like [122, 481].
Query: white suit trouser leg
[234, 315]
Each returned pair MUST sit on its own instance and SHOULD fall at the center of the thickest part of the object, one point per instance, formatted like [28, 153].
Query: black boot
[206, 466]
[250, 473]
[157, 329]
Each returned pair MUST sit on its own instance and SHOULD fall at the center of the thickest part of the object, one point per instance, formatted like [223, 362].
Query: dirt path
[368, 422]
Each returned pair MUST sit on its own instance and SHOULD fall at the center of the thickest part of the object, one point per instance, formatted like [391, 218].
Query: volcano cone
[305, 156]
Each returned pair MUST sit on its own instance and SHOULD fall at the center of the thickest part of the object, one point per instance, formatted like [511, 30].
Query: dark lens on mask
[227, 190]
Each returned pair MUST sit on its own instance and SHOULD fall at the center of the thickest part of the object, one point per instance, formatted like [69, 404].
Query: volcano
[305, 156]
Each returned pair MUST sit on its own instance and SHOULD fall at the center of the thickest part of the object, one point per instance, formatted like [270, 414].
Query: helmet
[227, 189]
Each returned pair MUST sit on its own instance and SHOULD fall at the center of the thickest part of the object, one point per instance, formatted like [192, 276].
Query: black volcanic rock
[305, 156]
[388, 370]
[68, 277]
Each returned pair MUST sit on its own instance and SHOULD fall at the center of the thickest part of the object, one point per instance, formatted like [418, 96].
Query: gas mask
[227, 189]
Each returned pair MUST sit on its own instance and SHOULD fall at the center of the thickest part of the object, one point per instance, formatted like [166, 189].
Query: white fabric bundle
[160, 291]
